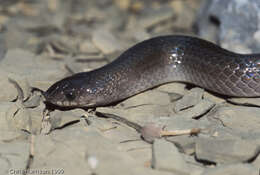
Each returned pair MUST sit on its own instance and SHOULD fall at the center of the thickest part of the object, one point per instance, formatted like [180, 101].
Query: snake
[157, 61]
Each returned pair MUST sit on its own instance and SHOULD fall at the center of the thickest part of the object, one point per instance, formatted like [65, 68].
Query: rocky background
[43, 41]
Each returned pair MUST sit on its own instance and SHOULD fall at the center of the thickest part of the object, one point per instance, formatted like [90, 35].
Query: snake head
[71, 92]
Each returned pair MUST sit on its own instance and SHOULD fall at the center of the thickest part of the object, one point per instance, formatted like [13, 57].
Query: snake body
[158, 61]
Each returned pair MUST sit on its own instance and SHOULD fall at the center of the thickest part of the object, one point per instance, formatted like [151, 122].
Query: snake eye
[70, 96]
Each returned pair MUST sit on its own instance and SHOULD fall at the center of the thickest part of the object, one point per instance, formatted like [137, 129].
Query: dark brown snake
[158, 61]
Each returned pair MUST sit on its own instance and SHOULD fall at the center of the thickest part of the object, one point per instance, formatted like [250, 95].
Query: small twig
[193, 131]
[150, 132]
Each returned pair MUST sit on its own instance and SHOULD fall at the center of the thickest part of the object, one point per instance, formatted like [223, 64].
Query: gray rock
[59, 119]
[190, 99]
[198, 110]
[14, 157]
[18, 118]
[4, 106]
[9, 92]
[240, 35]
[256, 162]
[233, 169]
[3, 48]
[142, 108]
[213, 98]
[245, 101]
[84, 149]
[195, 167]
[32, 102]
[185, 142]
[207, 27]
[166, 157]
[16, 37]
[106, 42]
[241, 120]
[88, 47]
[7, 134]
[37, 70]
[150, 171]
[177, 88]
[225, 150]
[185, 21]
[22, 87]
[139, 34]
[155, 16]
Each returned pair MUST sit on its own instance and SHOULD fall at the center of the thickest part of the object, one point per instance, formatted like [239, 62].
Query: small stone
[166, 157]
[225, 150]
